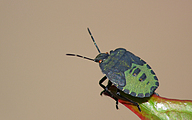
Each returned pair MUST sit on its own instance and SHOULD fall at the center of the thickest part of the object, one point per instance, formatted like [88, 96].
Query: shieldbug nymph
[127, 72]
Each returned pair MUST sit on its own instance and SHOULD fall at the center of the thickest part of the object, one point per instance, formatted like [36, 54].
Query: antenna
[93, 40]
[81, 56]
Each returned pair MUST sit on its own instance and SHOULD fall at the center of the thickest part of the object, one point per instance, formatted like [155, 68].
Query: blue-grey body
[115, 65]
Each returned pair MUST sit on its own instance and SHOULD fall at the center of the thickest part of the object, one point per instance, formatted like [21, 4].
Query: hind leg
[135, 103]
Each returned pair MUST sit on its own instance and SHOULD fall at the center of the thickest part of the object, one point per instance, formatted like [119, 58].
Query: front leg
[106, 89]
[101, 81]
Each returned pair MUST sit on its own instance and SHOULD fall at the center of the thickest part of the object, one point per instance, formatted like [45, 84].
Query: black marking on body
[143, 61]
[143, 77]
[132, 69]
[133, 94]
[140, 95]
[147, 95]
[152, 72]
[126, 91]
[153, 87]
[157, 83]
[136, 72]
[148, 66]
[155, 77]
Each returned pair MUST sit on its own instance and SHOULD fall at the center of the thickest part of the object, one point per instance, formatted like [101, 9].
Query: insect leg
[101, 81]
[106, 89]
[135, 103]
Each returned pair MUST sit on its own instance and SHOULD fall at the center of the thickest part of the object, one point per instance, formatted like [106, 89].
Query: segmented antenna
[81, 56]
[93, 40]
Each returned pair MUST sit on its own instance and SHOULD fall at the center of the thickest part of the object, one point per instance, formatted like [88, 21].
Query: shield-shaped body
[129, 73]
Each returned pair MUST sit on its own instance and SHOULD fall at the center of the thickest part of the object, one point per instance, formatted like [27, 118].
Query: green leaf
[157, 108]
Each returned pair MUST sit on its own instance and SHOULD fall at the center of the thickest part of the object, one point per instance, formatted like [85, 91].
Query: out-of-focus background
[39, 82]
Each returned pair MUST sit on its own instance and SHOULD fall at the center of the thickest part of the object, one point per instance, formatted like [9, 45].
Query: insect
[127, 72]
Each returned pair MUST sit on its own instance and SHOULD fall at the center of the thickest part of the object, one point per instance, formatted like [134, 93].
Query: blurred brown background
[39, 82]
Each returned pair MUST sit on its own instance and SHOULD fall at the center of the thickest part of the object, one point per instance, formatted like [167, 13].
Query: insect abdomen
[140, 81]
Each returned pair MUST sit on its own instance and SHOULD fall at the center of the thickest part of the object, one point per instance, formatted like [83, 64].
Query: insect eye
[100, 61]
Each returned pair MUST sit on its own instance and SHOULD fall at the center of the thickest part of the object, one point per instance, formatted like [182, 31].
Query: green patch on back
[138, 87]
